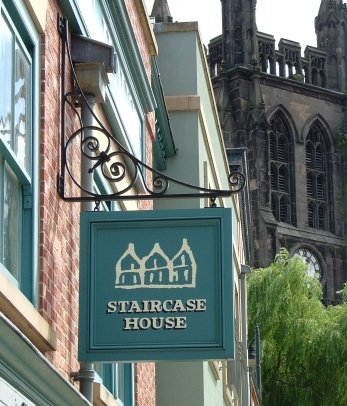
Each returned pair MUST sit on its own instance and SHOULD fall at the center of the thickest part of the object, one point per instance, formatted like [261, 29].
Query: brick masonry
[59, 220]
[145, 384]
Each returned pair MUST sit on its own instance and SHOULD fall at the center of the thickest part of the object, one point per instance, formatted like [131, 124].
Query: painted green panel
[156, 285]
[27, 371]
[178, 78]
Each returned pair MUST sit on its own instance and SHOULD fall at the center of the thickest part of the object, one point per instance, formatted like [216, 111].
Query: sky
[290, 19]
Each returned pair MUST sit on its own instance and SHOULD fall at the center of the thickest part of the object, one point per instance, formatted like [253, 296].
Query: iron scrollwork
[103, 154]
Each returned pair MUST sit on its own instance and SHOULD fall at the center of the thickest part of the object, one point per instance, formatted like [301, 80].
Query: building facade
[288, 110]
[41, 108]
[201, 159]
[81, 85]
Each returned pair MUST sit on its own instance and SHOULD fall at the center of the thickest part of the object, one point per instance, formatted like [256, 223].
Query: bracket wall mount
[114, 164]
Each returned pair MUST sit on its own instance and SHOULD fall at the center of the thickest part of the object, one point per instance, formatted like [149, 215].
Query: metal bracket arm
[109, 160]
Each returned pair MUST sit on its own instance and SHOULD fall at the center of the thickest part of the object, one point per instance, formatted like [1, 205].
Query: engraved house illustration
[156, 270]
[130, 263]
[184, 266]
[157, 267]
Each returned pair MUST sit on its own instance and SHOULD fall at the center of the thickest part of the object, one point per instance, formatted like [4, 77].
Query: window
[102, 187]
[124, 99]
[118, 378]
[281, 170]
[16, 147]
[317, 179]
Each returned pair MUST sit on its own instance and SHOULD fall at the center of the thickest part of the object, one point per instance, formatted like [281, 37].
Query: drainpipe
[86, 372]
[85, 375]
[92, 79]
[245, 369]
[87, 121]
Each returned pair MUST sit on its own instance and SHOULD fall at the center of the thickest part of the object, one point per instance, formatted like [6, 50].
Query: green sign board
[156, 285]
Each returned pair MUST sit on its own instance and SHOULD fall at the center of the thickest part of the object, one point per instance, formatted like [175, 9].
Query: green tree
[304, 343]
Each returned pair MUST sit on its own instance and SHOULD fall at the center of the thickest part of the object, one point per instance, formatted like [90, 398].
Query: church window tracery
[267, 57]
[281, 174]
[317, 173]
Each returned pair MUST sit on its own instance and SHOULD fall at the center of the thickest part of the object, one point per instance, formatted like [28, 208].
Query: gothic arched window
[317, 173]
[281, 174]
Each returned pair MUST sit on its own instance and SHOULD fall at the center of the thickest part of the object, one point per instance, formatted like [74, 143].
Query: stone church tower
[288, 109]
[331, 33]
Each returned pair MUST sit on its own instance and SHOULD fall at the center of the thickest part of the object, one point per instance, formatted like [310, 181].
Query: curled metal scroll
[106, 159]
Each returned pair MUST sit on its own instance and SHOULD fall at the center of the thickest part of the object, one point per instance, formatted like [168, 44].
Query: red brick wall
[59, 221]
[138, 28]
[145, 384]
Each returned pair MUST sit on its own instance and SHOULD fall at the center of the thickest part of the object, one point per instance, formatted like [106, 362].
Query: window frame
[318, 173]
[282, 199]
[118, 378]
[17, 16]
[128, 103]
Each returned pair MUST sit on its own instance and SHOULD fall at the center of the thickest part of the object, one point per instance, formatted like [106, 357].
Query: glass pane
[311, 215]
[22, 108]
[320, 159]
[309, 154]
[10, 223]
[322, 217]
[310, 185]
[281, 152]
[273, 147]
[105, 375]
[6, 65]
[120, 381]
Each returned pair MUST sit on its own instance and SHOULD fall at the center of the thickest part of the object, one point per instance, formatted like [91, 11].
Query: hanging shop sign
[156, 285]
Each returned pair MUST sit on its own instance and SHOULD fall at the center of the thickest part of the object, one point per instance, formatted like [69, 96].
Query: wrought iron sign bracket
[107, 159]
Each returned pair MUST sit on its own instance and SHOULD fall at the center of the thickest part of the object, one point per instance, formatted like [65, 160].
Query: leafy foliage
[304, 343]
